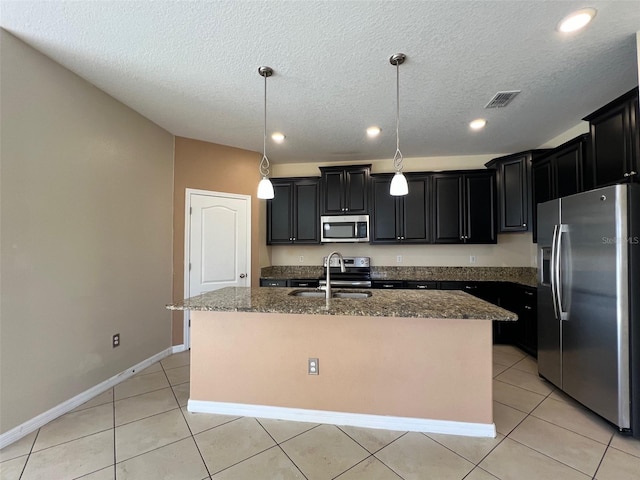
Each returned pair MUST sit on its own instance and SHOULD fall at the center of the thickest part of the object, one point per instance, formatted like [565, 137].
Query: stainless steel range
[357, 272]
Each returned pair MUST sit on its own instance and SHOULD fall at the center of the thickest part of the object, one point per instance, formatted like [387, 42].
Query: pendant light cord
[264, 163]
[397, 158]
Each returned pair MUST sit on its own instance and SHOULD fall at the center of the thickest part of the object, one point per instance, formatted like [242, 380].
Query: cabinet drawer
[421, 284]
[270, 282]
[387, 284]
[310, 283]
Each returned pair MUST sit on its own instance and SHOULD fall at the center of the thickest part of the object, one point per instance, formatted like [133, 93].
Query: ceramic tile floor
[141, 430]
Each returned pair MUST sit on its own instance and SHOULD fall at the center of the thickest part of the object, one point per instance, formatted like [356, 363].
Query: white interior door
[218, 243]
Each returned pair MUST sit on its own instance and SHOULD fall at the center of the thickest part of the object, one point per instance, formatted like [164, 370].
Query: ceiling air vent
[502, 99]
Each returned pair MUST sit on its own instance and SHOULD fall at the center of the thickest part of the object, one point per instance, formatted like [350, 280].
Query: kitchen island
[402, 360]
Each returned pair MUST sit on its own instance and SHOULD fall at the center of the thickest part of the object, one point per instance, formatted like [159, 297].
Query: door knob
[242, 275]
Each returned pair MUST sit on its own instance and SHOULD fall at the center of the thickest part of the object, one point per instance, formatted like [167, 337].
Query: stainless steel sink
[334, 294]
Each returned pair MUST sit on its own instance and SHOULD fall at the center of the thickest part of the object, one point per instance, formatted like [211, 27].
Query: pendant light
[398, 182]
[265, 187]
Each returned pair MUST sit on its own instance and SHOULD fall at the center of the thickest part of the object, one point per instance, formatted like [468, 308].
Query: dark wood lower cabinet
[522, 301]
[516, 298]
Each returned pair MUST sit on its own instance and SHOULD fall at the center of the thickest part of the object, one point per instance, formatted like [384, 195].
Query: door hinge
[190, 210]
[189, 322]
[189, 266]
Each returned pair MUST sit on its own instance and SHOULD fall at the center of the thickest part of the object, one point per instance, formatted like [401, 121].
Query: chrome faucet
[327, 287]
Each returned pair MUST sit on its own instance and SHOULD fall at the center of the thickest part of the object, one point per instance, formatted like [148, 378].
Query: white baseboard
[350, 419]
[29, 426]
[178, 348]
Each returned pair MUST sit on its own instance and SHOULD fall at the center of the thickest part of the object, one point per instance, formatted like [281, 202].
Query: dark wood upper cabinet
[569, 166]
[447, 208]
[293, 213]
[280, 213]
[416, 216]
[480, 207]
[559, 173]
[404, 219]
[615, 141]
[464, 207]
[514, 190]
[543, 176]
[345, 190]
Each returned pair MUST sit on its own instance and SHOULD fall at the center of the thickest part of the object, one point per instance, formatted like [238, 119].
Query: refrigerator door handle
[554, 270]
[558, 231]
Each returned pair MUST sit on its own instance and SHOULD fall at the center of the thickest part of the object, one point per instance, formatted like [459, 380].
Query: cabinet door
[345, 190]
[568, 170]
[514, 194]
[543, 189]
[356, 182]
[480, 208]
[528, 317]
[543, 181]
[384, 211]
[306, 224]
[279, 214]
[415, 218]
[610, 146]
[447, 208]
[333, 192]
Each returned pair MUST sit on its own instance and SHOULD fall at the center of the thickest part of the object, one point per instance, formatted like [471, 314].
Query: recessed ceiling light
[278, 137]
[373, 132]
[576, 20]
[478, 123]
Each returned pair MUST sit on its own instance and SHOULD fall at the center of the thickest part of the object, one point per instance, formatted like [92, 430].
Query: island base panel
[438, 369]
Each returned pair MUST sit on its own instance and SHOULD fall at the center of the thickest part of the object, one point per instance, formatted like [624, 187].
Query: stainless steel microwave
[344, 228]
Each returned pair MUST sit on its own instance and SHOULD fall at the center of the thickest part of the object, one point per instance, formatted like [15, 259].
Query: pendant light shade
[399, 185]
[265, 187]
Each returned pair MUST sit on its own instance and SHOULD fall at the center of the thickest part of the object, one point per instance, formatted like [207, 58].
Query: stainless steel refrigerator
[588, 300]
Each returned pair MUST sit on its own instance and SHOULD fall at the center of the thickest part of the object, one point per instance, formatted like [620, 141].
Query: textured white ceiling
[191, 67]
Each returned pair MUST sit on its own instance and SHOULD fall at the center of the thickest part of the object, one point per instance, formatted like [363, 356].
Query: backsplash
[512, 250]
[522, 275]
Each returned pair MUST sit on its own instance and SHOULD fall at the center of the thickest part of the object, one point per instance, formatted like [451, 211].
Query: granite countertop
[521, 275]
[382, 303]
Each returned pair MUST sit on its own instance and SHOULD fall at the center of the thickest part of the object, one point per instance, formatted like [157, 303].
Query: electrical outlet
[301, 259]
[116, 340]
[472, 259]
[313, 366]
[399, 259]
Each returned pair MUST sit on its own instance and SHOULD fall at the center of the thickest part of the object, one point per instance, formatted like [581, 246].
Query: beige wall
[417, 164]
[407, 367]
[86, 212]
[573, 132]
[207, 166]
